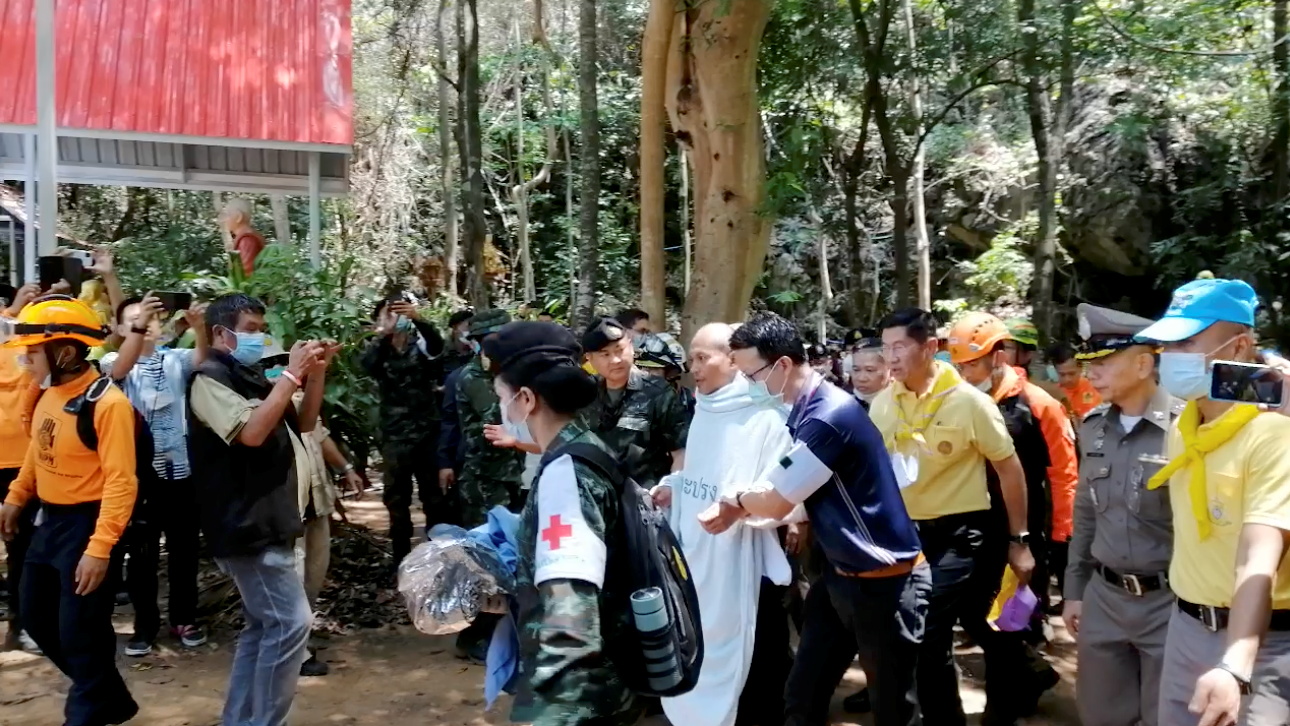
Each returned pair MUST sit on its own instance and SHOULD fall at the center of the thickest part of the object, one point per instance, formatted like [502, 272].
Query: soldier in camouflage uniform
[490, 475]
[574, 608]
[639, 416]
[403, 359]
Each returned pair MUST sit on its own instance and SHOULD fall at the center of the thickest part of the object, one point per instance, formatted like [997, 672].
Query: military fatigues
[566, 622]
[643, 424]
[409, 415]
[1119, 553]
[490, 475]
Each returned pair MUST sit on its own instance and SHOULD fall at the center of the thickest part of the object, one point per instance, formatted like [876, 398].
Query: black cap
[527, 348]
[601, 334]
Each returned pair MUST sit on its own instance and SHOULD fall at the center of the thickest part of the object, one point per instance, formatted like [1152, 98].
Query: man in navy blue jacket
[838, 467]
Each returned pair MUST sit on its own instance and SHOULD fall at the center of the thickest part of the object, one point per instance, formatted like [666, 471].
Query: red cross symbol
[556, 531]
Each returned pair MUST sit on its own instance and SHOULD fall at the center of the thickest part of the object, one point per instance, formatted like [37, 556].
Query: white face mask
[1187, 375]
[517, 429]
[986, 386]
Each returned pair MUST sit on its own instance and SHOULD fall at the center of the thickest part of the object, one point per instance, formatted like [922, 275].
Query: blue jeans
[271, 647]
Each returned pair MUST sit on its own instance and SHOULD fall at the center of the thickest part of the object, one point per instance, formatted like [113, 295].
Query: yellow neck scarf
[1196, 444]
[946, 379]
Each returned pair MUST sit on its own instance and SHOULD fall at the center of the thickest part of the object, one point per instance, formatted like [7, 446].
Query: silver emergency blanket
[449, 580]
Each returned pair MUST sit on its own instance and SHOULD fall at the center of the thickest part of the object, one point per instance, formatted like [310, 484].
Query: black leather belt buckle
[1212, 618]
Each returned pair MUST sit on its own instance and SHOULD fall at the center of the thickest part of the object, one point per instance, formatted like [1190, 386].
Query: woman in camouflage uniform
[573, 608]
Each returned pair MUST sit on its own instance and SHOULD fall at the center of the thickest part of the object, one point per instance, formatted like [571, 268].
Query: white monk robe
[732, 442]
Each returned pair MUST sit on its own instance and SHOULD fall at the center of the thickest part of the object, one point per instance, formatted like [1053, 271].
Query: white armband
[799, 474]
[566, 547]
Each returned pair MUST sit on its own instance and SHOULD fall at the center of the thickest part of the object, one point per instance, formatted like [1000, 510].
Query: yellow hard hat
[55, 317]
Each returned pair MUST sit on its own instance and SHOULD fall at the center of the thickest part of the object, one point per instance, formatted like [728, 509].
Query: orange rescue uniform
[1063, 467]
[59, 469]
[1082, 398]
[18, 393]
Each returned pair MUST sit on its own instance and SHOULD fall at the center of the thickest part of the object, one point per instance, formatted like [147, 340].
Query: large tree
[589, 193]
[653, 132]
[470, 148]
[712, 103]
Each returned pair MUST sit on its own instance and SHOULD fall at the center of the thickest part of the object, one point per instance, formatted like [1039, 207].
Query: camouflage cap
[1023, 331]
[601, 333]
[487, 322]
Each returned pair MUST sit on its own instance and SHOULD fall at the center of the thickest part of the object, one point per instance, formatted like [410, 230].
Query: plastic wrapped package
[450, 579]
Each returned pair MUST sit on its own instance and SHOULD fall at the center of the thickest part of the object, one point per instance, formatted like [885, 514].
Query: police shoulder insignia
[1098, 410]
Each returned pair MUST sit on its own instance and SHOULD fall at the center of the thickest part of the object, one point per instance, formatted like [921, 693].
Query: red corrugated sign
[273, 70]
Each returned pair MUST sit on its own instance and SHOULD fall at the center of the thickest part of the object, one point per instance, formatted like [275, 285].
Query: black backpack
[83, 407]
[655, 560]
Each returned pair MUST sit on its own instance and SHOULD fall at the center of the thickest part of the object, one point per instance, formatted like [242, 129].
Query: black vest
[247, 496]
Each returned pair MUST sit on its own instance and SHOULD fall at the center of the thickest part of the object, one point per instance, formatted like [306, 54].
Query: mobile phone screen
[54, 268]
[1247, 383]
[175, 301]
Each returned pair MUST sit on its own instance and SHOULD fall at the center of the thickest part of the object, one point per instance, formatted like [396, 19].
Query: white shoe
[28, 644]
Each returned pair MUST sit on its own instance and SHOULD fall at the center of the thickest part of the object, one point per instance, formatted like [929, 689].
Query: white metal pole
[29, 253]
[13, 251]
[315, 210]
[47, 147]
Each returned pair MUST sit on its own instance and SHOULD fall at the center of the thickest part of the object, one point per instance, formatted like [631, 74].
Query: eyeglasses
[898, 349]
[754, 374]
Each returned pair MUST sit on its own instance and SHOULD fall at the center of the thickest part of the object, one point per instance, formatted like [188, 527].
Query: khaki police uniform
[1121, 544]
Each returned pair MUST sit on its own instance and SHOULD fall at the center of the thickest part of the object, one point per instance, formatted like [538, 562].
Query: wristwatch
[1246, 687]
[1021, 538]
[140, 331]
[739, 500]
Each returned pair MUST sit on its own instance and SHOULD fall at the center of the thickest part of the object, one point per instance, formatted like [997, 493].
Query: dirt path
[391, 676]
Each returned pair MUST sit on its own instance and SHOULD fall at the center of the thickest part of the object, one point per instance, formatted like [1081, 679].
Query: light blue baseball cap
[1198, 305]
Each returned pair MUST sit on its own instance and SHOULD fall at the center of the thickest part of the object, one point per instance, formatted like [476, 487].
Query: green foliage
[999, 277]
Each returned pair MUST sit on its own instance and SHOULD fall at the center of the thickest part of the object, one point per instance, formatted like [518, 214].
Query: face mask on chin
[986, 386]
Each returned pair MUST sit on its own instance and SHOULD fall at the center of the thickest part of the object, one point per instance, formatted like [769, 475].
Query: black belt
[1136, 585]
[1215, 619]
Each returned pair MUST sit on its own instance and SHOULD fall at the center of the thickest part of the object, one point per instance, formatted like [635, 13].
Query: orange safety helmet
[55, 317]
[975, 335]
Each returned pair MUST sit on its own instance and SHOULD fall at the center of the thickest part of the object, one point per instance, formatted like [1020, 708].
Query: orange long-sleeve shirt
[1083, 398]
[1063, 467]
[60, 470]
[18, 393]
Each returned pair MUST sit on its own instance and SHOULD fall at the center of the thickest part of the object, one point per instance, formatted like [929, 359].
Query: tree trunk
[448, 187]
[654, 54]
[712, 104]
[520, 192]
[281, 219]
[873, 44]
[1037, 108]
[1280, 111]
[470, 149]
[683, 157]
[589, 122]
[569, 225]
[855, 249]
[923, 246]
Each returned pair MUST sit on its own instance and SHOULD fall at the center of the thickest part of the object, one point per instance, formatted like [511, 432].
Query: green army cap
[487, 322]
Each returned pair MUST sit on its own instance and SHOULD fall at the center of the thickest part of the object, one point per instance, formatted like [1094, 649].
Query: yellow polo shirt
[967, 431]
[1248, 482]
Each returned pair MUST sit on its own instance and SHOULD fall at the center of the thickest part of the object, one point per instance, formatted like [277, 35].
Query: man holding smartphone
[1227, 653]
[155, 379]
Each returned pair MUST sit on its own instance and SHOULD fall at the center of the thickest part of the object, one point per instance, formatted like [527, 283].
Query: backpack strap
[597, 458]
[83, 407]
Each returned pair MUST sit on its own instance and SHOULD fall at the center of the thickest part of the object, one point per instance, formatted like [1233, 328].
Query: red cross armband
[567, 548]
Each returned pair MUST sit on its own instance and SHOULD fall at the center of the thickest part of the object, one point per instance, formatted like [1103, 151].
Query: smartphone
[85, 256]
[408, 297]
[1246, 383]
[175, 302]
[56, 267]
